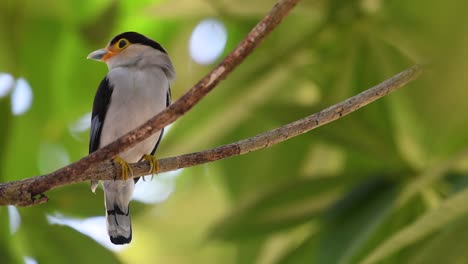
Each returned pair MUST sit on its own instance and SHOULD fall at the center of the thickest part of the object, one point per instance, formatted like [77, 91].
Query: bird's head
[126, 48]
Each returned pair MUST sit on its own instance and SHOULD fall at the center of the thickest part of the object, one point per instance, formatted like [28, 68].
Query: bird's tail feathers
[117, 199]
[119, 226]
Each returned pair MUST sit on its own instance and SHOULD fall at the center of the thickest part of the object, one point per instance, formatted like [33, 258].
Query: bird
[136, 88]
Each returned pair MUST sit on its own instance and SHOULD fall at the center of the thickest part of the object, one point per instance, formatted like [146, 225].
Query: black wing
[100, 106]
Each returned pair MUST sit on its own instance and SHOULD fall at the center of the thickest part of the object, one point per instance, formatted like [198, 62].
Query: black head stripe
[137, 38]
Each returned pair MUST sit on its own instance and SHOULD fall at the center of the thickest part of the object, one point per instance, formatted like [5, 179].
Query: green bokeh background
[386, 184]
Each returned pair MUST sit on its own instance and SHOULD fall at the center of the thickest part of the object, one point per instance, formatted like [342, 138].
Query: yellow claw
[154, 165]
[126, 170]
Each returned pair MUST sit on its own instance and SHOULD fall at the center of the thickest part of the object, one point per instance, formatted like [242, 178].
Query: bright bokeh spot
[29, 260]
[14, 219]
[21, 98]
[81, 125]
[6, 84]
[156, 190]
[207, 41]
[94, 227]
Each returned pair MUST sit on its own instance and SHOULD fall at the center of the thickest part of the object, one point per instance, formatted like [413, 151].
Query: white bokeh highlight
[207, 41]
[82, 124]
[14, 219]
[6, 84]
[22, 97]
[156, 190]
[29, 260]
[94, 227]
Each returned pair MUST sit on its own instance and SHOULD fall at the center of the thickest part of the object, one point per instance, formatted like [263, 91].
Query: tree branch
[12, 192]
[24, 195]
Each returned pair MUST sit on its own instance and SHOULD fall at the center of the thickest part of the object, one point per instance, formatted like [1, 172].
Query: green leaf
[448, 246]
[435, 219]
[249, 251]
[304, 252]
[387, 220]
[286, 205]
[353, 220]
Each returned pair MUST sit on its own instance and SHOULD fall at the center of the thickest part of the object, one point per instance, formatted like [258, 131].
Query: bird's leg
[126, 170]
[154, 165]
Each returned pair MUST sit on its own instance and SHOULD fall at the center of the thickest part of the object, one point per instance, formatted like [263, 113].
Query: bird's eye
[122, 43]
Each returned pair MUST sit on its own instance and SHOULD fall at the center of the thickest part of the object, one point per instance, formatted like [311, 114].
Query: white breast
[138, 94]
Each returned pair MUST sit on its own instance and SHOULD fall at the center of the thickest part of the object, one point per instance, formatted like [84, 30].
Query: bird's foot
[127, 171]
[154, 165]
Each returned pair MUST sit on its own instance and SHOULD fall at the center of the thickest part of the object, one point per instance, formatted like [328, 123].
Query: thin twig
[105, 171]
[24, 195]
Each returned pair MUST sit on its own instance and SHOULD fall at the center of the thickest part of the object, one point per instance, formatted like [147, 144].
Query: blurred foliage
[386, 184]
